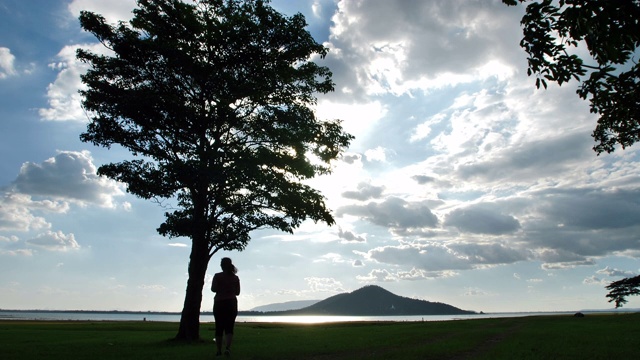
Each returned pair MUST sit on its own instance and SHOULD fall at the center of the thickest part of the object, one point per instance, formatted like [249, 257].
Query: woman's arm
[214, 284]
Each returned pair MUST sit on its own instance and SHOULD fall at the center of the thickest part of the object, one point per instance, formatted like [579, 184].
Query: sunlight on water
[303, 319]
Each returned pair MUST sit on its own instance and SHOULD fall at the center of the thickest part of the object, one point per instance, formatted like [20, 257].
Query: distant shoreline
[206, 317]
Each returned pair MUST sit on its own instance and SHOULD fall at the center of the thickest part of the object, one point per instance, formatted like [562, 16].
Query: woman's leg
[219, 327]
[228, 340]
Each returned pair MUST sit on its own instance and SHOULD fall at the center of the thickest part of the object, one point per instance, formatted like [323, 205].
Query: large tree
[610, 77]
[621, 289]
[214, 99]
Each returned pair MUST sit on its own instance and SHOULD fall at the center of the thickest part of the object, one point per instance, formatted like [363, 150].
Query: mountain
[289, 305]
[373, 300]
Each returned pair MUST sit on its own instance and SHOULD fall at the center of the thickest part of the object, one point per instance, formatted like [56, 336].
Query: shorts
[225, 312]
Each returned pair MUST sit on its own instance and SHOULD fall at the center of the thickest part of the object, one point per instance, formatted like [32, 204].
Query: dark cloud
[351, 158]
[350, 236]
[491, 254]
[439, 257]
[365, 191]
[423, 179]
[482, 220]
[591, 209]
[531, 160]
[393, 213]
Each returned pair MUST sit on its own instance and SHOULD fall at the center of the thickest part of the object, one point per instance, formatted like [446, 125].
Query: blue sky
[464, 185]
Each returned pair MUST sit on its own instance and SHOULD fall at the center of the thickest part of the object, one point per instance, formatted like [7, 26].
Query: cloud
[19, 252]
[331, 258]
[437, 258]
[482, 220]
[378, 275]
[63, 97]
[394, 213]
[152, 288]
[365, 191]
[383, 46]
[525, 161]
[591, 209]
[474, 292]
[351, 158]
[65, 103]
[180, 245]
[9, 239]
[385, 275]
[17, 212]
[6, 63]
[568, 264]
[594, 280]
[612, 272]
[49, 188]
[378, 154]
[317, 284]
[69, 176]
[113, 11]
[348, 236]
[54, 241]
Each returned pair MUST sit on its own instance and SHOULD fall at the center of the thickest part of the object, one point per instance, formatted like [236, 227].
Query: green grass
[537, 337]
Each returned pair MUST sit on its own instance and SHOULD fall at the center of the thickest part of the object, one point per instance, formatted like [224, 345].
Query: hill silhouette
[373, 300]
[289, 305]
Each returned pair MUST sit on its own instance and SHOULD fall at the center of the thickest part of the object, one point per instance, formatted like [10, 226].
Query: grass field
[537, 337]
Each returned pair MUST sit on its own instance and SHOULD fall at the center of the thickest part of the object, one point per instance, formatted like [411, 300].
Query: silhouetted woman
[226, 285]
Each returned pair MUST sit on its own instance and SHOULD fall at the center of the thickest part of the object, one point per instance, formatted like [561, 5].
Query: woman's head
[227, 266]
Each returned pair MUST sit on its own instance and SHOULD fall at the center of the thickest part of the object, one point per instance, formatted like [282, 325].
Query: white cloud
[17, 212]
[393, 47]
[180, 245]
[613, 272]
[594, 280]
[19, 252]
[69, 176]
[474, 292]
[54, 241]
[9, 239]
[317, 284]
[377, 154]
[6, 63]
[152, 288]
[377, 275]
[63, 97]
[112, 10]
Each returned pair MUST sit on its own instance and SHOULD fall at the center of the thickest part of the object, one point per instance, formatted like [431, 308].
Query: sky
[464, 185]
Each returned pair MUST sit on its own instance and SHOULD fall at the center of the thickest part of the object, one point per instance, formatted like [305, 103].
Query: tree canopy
[621, 289]
[214, 99]
[610, 78]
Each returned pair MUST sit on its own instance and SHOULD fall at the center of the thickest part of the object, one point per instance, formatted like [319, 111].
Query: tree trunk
[190, 318]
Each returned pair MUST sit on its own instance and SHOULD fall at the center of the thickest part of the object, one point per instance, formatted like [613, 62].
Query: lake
[307, 319]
